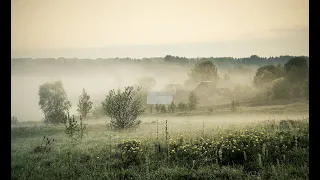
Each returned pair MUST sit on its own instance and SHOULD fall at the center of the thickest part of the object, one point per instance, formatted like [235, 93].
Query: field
[247, 144]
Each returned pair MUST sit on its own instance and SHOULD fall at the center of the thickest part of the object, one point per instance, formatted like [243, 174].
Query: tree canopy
[53, 101]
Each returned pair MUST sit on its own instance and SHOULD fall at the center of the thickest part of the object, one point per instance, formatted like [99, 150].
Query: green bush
[14, 120]
[172, 107]
[131, 151]
[123, 108]
[182, 106]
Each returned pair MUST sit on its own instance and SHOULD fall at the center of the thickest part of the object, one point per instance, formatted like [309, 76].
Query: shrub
[157, 108]
[45, 146]
[14, 120]
[192, 101]
[182, 106]
[123, 108]
[172, 107]
[54, 102]
[163, 108]
[71, 126]
[131, 151]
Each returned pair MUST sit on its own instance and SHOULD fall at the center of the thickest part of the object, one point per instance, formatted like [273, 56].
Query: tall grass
[268, 150]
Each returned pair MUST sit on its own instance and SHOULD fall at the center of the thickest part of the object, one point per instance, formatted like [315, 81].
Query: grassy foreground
[266, 150]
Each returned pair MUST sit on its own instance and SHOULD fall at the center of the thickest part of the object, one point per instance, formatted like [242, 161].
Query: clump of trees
[267, 74]
[54, 102]
[204, 71]
[280, 88]
[288, 81]
[84, 104]
[123, 108]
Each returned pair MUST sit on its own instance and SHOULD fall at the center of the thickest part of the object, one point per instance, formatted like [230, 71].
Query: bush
[123, 108]
[54, 102]
[182, 106]
[71, 126]
[192, 101]
[172, 107]
[14, 120]
[45, 146]
[130, 151]
[163, 108]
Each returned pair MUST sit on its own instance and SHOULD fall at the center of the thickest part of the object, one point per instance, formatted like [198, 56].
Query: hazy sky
[159, 27]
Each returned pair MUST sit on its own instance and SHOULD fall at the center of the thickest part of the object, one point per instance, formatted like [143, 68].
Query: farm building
[155, 97]
[180, 94]
[206, 91]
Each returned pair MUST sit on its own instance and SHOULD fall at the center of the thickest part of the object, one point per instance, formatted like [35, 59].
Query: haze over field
[104, 28]
[24, 88]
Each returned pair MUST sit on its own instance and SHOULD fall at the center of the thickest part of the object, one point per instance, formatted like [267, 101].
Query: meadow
[243, 145]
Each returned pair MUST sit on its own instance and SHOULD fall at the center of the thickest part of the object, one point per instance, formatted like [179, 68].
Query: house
[205, 92]
[207, 88]
[179, 93]
[156, 97]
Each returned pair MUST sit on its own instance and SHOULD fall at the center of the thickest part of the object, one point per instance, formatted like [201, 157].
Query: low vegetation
[269, 150]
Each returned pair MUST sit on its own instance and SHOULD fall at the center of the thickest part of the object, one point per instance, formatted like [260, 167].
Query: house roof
[173, 86]
[208, 86]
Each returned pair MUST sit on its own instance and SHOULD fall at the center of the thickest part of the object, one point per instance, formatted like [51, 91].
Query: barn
[205, 92]
[156, 97]
[179, 92]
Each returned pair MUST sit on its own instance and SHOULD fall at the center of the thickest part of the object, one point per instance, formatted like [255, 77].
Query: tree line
[253, 60]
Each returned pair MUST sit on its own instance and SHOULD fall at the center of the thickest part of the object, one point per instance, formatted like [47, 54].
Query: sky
[149, 28]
